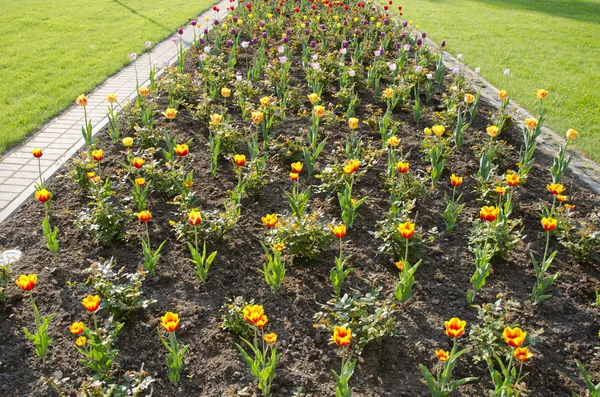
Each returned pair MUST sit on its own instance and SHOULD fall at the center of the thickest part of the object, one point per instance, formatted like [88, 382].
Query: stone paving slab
[61, 138]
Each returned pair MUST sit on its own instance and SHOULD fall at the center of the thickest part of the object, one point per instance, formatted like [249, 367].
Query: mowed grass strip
[53, 50]
[550, 44]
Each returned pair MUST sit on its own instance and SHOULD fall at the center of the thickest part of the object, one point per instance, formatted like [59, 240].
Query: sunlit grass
[53, 50]
[550, 44]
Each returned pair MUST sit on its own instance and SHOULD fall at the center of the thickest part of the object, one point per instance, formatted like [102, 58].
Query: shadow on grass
[133, 11]
[584, 11]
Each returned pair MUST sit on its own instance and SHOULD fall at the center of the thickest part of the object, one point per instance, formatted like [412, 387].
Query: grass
[550, 44]
[54, 50]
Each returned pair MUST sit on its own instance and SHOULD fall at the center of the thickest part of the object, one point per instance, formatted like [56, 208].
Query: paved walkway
[61, 138]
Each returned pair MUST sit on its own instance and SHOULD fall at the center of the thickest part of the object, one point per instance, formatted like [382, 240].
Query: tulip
[27, 281]
[43, 195]
[514, 336]
[215, 119]
[170, 321]
[492, 130]
[265, 101]
[97, 155]
[81, 341]
[339, 231]
[531, 123]
[262, 321]
[278, 247]
[393, 141]
[226, 92]
[269, 220]
[503, 95]
[82, 100]
[138, 162]
[182, 150]
[342, 336]
[469, 98]
[144, 91]
[297, 167]
[562, 198]
[257, 117]
[541, 94]
[427, 131]
[140, 182]
[170, 113]
[489, 213]
[37, 153]
[402, 166]
[400, 265]
[455, 327]
[555, 188]
[127, 141]
[76, 328]
[293, 176]
[512, 179]
[239, 160]
[572, 134]
[144, 216]
[500, 190]
[438, 130]
[406, 229]
[271, 338]
[388, 93]
[549, 224]
[91, 303]
[456, 180]
[522, 353]
[353, 123]
[253, 313]
[111, 98]
[352, 167]
[442, 355]
[319, 111]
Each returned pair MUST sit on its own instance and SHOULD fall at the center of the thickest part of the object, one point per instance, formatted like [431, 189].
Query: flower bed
[306, 190]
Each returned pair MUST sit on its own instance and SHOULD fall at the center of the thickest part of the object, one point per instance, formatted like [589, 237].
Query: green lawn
[550, 44]
[53, 50]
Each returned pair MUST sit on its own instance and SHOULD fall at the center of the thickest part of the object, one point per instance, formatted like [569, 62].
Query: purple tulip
[216, 22]
[313, 44]
[356, 32]
[235, 19]
[255, 41]
[306, 23]
[234, 32]
[286, 39]
[288, 32]
[307, 32]
[229, 43]
[323, 27]
[365, 22]
[264, 35]
[403, 35]
[423, 35]
[419, 42]
[262, 24]
[404, 24]
[398, 45]
[194, 22]
[345, 44]
[205, 31]
[345, 22]
[382, 34]
[443, 44]
[386, 22]
[180, 31]
[202, 41]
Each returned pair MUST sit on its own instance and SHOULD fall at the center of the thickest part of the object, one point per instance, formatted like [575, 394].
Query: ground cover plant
[520, 36]
[71, 48]
[306, 204]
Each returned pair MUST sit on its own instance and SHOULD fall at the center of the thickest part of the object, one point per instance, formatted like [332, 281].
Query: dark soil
[213, 366]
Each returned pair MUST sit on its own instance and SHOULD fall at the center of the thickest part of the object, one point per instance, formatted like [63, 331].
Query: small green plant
[175, 352]
[542, 282]
[338, 274]
[150, 257]
[349, 205]
[51, 235]
[342, 337]
[233, 317]
[593, 390]
[97, 347]
[274, 266]
[453, 208]
[306, 236]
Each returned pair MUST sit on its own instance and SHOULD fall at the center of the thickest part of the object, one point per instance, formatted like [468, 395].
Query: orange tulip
[140, 182]
[170, 113]
[138, 162]
[489, 213]
[81, 341]
[194, 218]
[353, 123]
[400, 265]
[262, 321]
[319, 111]
[492, 130]
[182, 150]
[442, 355]
[293, 176]
[253, 313]
[313, 98]
[97, 155]
[514, 336]
[512, 179]
[402, 166]
[339, 231]
[531, 123]
[456, 180]
[239, 160]
[91, 303]
[549, 224]
[500, 190]
[570, 207]
[76, 328]
[388, 93]
[541, 94]
[352, 167]
[257, 117]
[555, 188]
[393, 141]
[503, 95]
[269, 220]
[43, 195]
[82, 100]
[562, 198]
[144, 216]
[271, 338]
[215, 119]
[144, 91]
[297, 167]
[522, 353]
[342, 336]
[455, 327]
[37, 152]
[469, 98]
[278, 247]
[170, 321]
[27, 281]
[111, 98]
[406, 229]
[226, 92]
[572, 134]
